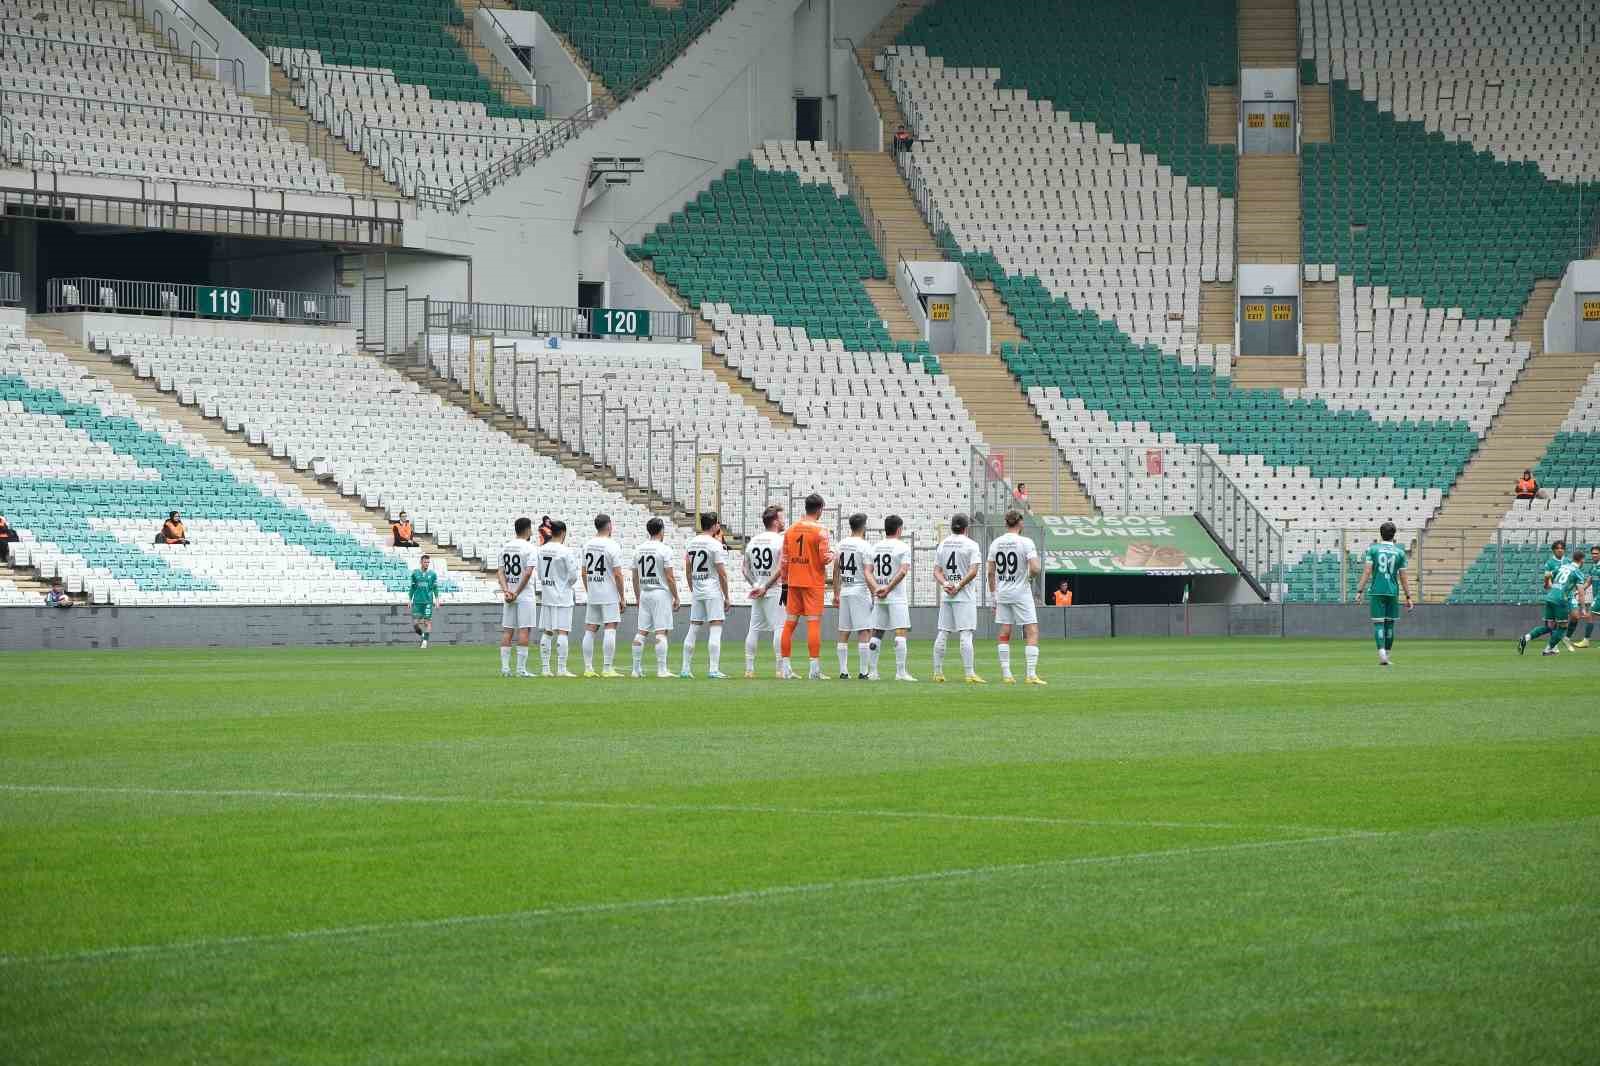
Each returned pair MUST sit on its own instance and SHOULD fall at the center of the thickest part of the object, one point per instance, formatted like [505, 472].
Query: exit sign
[216, 302]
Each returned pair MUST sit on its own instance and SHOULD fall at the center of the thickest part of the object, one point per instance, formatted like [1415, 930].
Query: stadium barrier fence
[10, 288]
[119, 296]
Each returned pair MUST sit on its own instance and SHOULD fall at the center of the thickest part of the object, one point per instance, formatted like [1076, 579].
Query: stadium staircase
[1521, 433]
[1268, 33]
[1222, 115]
[121, 377]
[288, 116]
[1010, 425]
[1319, 312]
[897, 226]
[884, 34]
[1316, 118]
[1218, 308]
[617, 41]
[1002, 326]
[492, 69]
[518, 429]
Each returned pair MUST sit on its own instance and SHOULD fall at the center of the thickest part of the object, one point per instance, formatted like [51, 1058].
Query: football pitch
[1182, 851]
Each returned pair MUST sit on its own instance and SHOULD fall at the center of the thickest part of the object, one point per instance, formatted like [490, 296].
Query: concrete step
[1222, 114]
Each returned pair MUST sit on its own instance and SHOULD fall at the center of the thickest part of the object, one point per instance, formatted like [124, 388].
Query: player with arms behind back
[806, 555]
[655, 586]
[558, 577]
[761, 557]
[851, 598]
[889, 580]
[955, 568]
[602, 575]
[424, 591]
[1013, 566]
[708, 585]
[520, 613]
[1385, 576]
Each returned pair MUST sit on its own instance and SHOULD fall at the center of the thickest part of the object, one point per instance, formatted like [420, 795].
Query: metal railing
[1243, 529]
[10, 288]
[24, 45]
[178, 298]
[511, 321]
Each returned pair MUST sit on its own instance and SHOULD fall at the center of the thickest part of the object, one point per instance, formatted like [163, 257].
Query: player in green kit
[424, 591]
[1384, 578]
[1587, 594]
[1562, 576]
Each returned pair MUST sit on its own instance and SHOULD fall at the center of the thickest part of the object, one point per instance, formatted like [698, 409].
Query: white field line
[754, 895]
[671, 808]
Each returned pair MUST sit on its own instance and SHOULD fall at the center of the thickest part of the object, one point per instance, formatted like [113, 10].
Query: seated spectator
[172, 531]
[401, 528]
[57, 596]
[1063, 596]
[1527, 486]
[903, 140]
[7, 535]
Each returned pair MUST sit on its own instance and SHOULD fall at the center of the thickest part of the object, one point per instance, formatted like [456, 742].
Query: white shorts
[707, 609]
[766, 614]
[555, 619]
[855, 613]
[1022, 613]
[522, 613]
[958, 616]
[602, 614]
[887, 616]
[655, 611]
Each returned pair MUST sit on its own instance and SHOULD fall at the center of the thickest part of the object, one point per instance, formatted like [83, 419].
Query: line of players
[787, 569]
[1569, 600]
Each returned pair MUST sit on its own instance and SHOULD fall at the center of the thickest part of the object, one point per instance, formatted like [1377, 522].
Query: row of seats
[340, 414]
[1573, 458]
[12, 596]
[623, 40]
[91, 474]
[1517, 80]
[88, 105]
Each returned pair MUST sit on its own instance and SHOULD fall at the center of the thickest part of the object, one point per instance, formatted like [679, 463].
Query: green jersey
[424, 588]
[1564, 580]
[1387, 560]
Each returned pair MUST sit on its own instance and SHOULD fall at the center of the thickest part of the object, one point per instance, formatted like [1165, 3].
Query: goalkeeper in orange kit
[804, 569]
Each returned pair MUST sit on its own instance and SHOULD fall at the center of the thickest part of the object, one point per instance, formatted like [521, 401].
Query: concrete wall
[731, 89]
[569, 90]
[491, 33]
[631, 287]
[1278, 84]
[257, 71]
[973, 334]
[40, 628]
[1561, 320]
[860, 126]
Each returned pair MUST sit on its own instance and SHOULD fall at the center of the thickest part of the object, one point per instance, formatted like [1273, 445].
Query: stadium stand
[95, 95]
[622, 40]
[99, 472]
[341, 414]
[1515, 80]
[12, 596]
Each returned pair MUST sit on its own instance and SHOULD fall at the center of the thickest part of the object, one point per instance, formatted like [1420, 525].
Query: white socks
[1032, 656]
[967, 653]
[939, 644]
[752, 641]
[871, 661]
[843, 648]
[638, 654]
[544, 652]
[608, 649]
[505, 657]
[561, 653]
[1005, 660]
[714, 648]
[661, 653]
[899, 656]
[522, 658]
[689, 641]
[588, 651]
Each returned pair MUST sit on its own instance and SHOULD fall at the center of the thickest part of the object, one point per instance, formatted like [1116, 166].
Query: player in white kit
[761, 557]
[1013, 567]
[956, 563]
[602, 576]
[708, 587]
[521, 612]
[889, 580]
[655, 586]
[558, 577]
[852, 599]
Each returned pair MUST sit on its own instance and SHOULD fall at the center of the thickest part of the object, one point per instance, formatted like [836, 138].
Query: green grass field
[1182, 851]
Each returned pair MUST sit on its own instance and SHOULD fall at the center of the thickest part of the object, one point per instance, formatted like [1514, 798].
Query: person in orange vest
[1063, 595]
[402, 532]
[172, 531]
[1527, 486]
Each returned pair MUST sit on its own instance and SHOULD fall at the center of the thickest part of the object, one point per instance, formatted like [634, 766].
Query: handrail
[178, 9]
[181, 298]
[10, 287]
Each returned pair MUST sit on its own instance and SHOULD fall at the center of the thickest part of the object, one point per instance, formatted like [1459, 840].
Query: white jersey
[886, 559]
[651, 562]
[1011, 553]
[601, 559]
[955, 557]
[761, 557]
[516, 559]
[851, 558]
[558, 575]
[702, 557]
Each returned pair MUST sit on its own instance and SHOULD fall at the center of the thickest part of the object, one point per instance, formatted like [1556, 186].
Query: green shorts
[1557, 610]
[423, 611]
[1384, 608]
